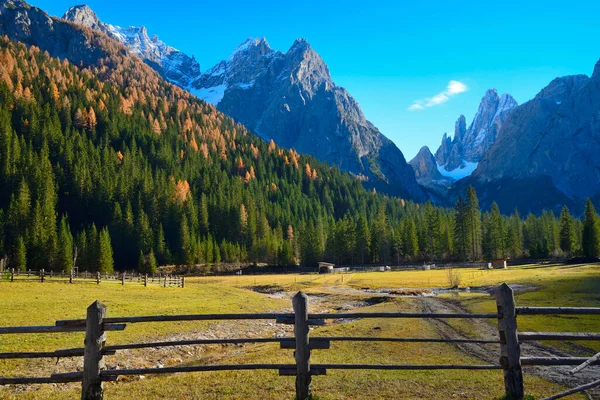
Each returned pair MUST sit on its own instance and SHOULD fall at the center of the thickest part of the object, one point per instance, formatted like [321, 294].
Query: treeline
[130, 171]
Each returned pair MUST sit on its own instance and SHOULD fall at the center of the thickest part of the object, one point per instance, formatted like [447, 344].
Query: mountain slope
[172, 64]
[550, 142]
[292, 99]
[289, 98]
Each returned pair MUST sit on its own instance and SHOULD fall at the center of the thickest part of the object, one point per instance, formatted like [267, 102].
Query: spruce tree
[462, 233]
[410, 241]
[105, 253]
[363, 239]
[474, 221]
[568, 236]
[20, 255]
[65, 246]
[591, 231]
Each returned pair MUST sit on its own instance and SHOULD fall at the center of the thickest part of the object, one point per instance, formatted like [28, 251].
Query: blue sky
[389, 54]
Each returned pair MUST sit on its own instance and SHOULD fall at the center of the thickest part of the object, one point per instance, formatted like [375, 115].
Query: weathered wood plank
[398, 315]
[195, 368]
[55, 329]
[302, 342]
[578, 389]
[292, 371]
[585, 364]
[51, 354]
[523, 336]
[313, 344]
[190, 342]
[510, 348]
[403, 340]
[557, 310]
[172, 318]
[406, 366]
[92, 387]
[555, 361]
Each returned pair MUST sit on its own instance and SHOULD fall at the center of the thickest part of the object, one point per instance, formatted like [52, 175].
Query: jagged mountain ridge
[174, 65]
[291, 98]
[470, 144]
[550, 143]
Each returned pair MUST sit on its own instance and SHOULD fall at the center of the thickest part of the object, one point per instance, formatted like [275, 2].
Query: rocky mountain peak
[82, 14]
[173, 65]
[460, 128]
[465, 150]
[561, 88]
[251, 48]
[290, 98]
[596, 73]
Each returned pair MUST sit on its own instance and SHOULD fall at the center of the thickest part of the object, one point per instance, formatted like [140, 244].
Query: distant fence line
[163, 280]
[509, 340]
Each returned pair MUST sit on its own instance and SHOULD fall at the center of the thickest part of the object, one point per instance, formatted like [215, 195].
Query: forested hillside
[128, 169]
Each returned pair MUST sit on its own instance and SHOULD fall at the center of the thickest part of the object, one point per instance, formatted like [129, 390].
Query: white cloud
[452, 89]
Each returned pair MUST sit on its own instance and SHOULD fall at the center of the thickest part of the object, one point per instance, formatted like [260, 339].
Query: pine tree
[496, 231]
[568, 236]
[410, 241]
[105, 253]
[591, 231]
[363, 239]
[432, 227]
[474, 221]
[20, 255]
[462, 233]
[65, 246]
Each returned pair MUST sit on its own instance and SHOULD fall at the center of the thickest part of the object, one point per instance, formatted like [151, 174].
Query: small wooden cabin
[499, 263]
[325, 268]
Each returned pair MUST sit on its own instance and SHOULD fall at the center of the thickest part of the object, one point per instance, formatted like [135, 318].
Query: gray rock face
[292, 99]
[173, 65]
[556, 135]
[469, 145]
[425, 167]
[30, 25]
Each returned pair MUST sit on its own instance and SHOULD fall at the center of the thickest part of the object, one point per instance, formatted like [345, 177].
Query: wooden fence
[97, 324]
[163, 280]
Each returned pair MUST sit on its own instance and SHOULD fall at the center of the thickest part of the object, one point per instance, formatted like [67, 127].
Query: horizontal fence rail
[97, 324]
[161, 280]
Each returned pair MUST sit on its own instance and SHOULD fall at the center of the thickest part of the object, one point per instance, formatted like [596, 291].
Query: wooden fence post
[71, 276]
[12, 275]
[510, 348]
[42, 273]
[146, 280]
[123, 279]
[98, 278]
[92, 387]
[182, 282]
[302, 354]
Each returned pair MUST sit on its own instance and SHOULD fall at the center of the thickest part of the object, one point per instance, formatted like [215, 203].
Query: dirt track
[490, 352]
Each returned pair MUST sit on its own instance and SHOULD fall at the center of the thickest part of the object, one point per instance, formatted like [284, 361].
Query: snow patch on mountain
[172, 64]
[212, 95]
[466, 169]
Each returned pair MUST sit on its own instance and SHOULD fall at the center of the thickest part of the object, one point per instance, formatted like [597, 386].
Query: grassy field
[42, 304]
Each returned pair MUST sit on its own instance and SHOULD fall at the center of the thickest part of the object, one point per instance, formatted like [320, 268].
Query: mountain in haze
[174, 65]
[546, 153]
[458, 157]
[291, 98]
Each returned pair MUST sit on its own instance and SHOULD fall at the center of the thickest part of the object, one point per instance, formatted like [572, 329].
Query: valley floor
[42, 304]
